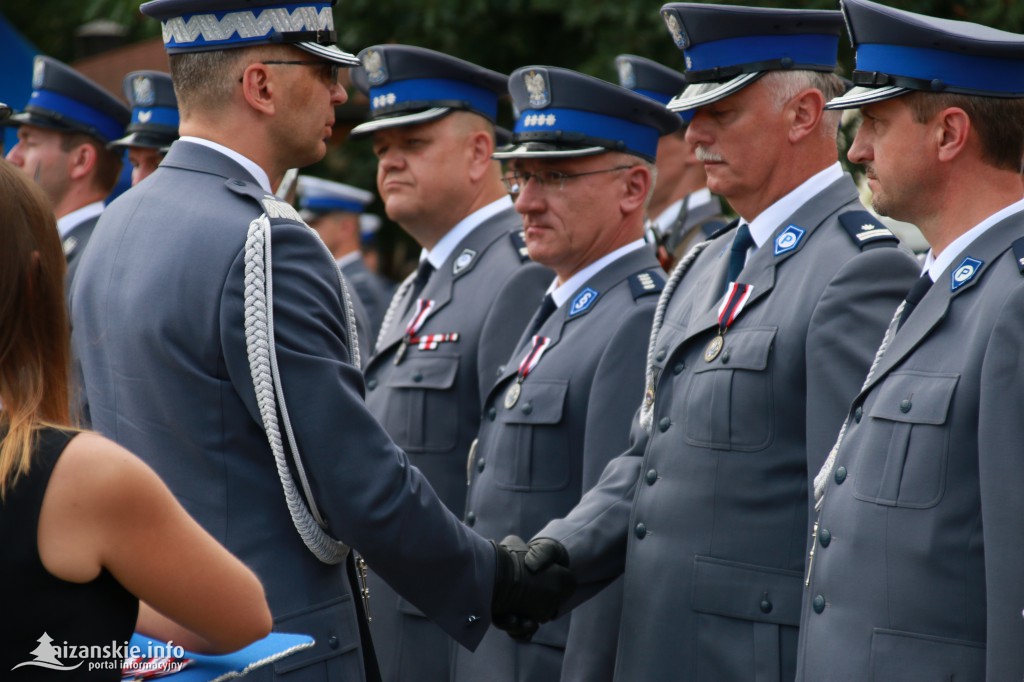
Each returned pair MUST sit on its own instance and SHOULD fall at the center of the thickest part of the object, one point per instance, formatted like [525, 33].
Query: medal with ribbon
[540, 344]
[736, 298]
[423, 309]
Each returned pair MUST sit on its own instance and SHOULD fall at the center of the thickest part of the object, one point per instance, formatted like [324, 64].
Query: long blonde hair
[34, 329]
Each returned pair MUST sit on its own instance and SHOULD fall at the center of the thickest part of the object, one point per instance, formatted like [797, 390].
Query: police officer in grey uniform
[63, 134]
[456, 320]
[334, 210]
[154, 124]
[759, 343]
[562, 407]
[215, 338]
[683, 210]
[919, 547]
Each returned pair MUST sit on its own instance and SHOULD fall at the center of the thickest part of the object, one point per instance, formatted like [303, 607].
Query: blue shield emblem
[789, 239]
[964, 272]
[583, 301]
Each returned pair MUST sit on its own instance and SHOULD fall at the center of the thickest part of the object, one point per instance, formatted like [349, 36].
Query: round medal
[714, 347]
[512, 396]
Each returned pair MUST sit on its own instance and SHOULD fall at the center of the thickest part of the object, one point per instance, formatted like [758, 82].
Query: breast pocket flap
[540, 402]
[743, 349]
[915, 397]
[435, 372]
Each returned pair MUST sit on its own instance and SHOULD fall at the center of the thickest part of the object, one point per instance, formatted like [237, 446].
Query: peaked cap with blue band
[65, 100]
[409, 85]
[155, 118]
[651, 79]
[318, 196]
[563, 113]
[208, 25]
[899, 51]
[728, 47]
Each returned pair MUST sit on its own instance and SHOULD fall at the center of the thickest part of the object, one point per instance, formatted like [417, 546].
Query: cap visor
[330, 53]
[541, 150]
[137, 139]
[700, 94]
[858, 96]
[364, 129]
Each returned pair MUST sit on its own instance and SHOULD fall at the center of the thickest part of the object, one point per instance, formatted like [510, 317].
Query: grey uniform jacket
[158, 329]
[373, 291]
[535, 458]
[709, 514]
[918, 571]
[430, 402]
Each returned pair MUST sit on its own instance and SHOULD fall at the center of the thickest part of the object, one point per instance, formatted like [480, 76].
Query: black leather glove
[531, 580]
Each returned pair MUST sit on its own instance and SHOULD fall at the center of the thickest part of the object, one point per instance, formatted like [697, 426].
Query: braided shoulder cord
[259, 342]
[392, 311]
[647, 408]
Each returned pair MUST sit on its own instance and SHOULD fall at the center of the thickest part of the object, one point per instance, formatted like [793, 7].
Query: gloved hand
[530, 582]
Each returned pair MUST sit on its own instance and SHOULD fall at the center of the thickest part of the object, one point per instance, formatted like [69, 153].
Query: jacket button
[472, 619]
[858, 414]
[766, 605]
[480, 464]
[660, 355]
[818, 604]
[905, 405]
[492, 412]
[371, 384]
[640, 530]
[417, 377]
[501, 370]
[840, 475]
[527, 407]
[652, 476]
[664, 424]
[678, 369]
[332, 642]
[470, 519]
[725, 358]
[824, 536]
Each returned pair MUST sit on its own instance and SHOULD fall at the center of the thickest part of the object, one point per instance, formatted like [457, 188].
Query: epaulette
[519, 244]
[1018, 253]
[646, 283]
[272, 206]
[725, 228]
[865, 230]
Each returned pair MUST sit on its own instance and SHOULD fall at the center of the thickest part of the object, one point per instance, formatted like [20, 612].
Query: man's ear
[81, 161]
[258, 88]
[952, 129]
[805, 111]
[638, 186]
[480, 148]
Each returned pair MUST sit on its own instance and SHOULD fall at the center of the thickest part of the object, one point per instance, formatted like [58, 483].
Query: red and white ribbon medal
[736, 298]
[423, 309]
[540, 344]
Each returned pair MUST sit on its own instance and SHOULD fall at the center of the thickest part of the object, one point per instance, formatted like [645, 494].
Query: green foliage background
[503, 35]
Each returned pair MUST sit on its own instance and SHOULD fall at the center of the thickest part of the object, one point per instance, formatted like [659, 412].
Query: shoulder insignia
[583, 302]
[723, 229]
[519, 244]
[865, 230]
[463, 262]
[646, 283]
[276, 208]
[789, 239]
[1018, 253]
[964, 273]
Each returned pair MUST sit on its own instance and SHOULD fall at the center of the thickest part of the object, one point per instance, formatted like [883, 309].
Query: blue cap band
[804, 49]
[967, 71]
[240, 26]
[687, 116]
[161, 116]
[429, 90]
[323, 204]
[638, 138]
[76, 112]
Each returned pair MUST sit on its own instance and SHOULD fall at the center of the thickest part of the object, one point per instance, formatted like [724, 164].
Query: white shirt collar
[77, 217]
[439, 254]
[248, 164]
[936, 265]
[762, 226]
[693, 200]
[350, 257]
[561, 294]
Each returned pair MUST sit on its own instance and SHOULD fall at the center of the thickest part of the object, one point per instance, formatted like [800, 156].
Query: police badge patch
[143, 92]
[463, 261]
[537, 85]
[376, 70]
[964, 272]
[583, 301]
[788, 240]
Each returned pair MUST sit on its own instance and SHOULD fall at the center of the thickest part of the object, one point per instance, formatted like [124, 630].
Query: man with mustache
[215, 336]
[765, 335]
[450, 326]
[916, 572]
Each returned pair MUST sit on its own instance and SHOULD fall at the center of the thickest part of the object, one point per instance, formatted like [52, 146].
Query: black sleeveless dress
[47, 623]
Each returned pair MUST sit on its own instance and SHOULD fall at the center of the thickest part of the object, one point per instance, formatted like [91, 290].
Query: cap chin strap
[259, 344]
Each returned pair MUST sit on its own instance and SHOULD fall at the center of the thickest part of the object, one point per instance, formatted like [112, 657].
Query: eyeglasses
[515, 181]
[330, 70]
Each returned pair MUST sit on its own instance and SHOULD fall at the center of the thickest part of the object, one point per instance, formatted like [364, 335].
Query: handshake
[531, 581]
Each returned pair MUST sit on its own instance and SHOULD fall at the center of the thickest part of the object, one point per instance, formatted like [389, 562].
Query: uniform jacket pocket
[907, 656]
[423, 409]
[533, 451]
